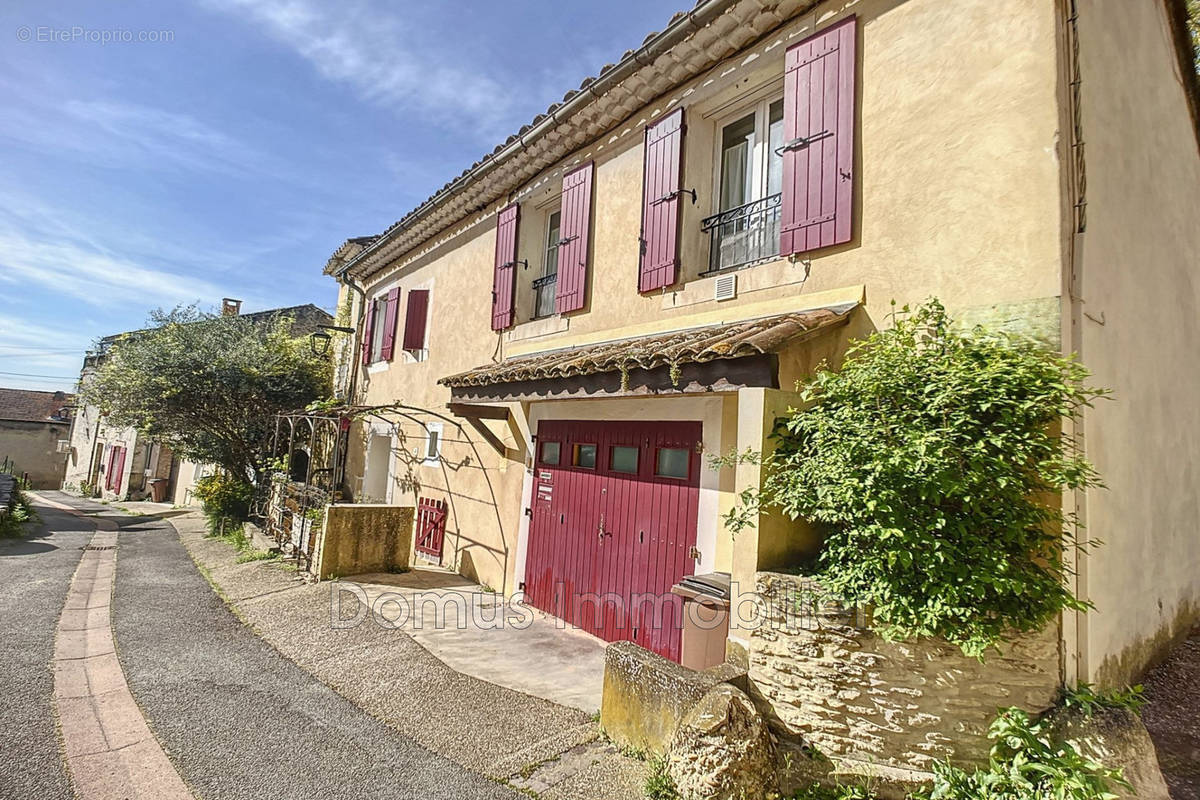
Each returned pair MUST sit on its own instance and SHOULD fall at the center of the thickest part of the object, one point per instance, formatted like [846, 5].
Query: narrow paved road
[34, 577]
[237, 719]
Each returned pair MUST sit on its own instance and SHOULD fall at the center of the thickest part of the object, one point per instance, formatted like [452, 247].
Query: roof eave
[684, 24]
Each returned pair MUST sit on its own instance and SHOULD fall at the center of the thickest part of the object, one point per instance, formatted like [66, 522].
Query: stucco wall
[957, 110]
[1135, 323]
[357, 539]
[33, 448]
[824, 679]
[90, 439]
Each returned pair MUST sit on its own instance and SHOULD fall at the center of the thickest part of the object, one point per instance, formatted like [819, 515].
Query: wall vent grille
[726, 287]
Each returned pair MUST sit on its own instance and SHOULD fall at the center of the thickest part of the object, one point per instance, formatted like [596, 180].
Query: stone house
[554, 341]
[32, 424]
[116, 463]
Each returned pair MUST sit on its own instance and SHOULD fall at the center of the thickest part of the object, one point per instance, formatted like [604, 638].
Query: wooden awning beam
[475, 414]
[477, 411]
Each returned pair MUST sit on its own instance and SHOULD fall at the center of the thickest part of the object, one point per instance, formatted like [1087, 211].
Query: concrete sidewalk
[479, 634]
[528, 742]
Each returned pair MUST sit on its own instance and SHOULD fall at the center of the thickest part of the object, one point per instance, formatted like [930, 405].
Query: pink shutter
[389, 325]
[660, 202]
[574, 227]
[368, 332]
[504, 279]
[414, 319]
[119, 474]
[818, 132]
[112, 463]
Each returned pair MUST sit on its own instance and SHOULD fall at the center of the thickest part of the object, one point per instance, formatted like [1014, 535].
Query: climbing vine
[932, 462]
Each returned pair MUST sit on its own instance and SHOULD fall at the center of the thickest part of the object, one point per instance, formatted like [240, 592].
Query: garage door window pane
[550, 452]
[673, 462]
[585, 456]
[624, 459]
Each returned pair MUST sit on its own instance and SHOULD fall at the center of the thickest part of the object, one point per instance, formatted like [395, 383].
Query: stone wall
[32, 448]
[363, 538]
[646, 696]
[824, 679]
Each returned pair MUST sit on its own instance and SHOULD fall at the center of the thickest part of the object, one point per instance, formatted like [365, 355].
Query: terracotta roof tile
[26, 405]
[692, 345]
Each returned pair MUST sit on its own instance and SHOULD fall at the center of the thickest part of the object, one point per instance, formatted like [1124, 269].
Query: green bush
[931, 462]
[1087, 700]
[19, 512]
[226, 501]
[1027, 763]
[659, 784]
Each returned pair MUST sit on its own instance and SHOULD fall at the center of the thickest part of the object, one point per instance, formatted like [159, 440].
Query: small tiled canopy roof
[692, 345]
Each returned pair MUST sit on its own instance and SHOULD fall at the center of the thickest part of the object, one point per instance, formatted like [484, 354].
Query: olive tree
[208, 386]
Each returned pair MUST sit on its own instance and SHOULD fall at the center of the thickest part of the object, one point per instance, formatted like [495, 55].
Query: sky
[154, 154]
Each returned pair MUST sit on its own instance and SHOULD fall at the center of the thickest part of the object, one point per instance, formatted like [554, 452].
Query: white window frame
[375, 364]
[546, 244]
[376, 352]
[433, 443]
[761, 108]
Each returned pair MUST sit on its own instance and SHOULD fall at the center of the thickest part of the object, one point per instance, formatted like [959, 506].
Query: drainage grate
[99, 547]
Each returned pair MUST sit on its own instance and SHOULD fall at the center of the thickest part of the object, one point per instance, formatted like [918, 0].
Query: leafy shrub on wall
[932, 462]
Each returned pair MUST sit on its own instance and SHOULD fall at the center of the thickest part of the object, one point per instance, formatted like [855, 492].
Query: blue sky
[232, 156]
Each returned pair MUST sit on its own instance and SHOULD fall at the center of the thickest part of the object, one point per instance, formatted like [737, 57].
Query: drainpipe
[343, 278]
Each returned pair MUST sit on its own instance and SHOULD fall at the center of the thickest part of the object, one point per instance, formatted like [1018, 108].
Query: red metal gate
[613, 526]
[431, 527]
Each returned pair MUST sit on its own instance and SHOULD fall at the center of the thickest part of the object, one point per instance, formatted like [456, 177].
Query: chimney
[230, 307]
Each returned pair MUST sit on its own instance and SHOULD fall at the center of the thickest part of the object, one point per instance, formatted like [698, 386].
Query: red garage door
[614, 526]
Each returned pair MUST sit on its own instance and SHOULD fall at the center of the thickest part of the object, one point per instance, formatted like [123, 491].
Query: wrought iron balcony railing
[543, 295]
[744, 234]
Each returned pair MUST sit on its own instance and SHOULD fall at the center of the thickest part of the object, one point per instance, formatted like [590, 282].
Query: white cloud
[383, 60]
[45, 118]
[95, 277]
[162, 136]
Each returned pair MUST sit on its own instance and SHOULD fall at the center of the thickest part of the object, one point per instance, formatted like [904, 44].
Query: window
[380, 306]
[551, 452]
[584, 455]
[673, 462]
[623, 459]
[545, 286]
[433, 444]
[415, 322]
[749, 181]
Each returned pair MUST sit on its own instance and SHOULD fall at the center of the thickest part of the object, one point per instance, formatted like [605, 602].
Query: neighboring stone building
[32, 425]
[118, 463]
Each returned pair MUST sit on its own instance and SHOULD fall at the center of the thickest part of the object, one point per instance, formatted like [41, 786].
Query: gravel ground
[237, 718]
[491, 729]
[35, 574]
[1172, 715]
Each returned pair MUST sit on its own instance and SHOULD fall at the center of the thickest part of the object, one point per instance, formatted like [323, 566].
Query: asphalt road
[35, 574]
[237, 718]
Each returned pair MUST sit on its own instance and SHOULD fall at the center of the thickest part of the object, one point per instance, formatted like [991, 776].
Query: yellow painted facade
[1134, 321]
[960, 194]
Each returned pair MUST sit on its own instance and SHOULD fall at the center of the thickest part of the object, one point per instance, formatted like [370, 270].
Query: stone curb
[110, 750]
